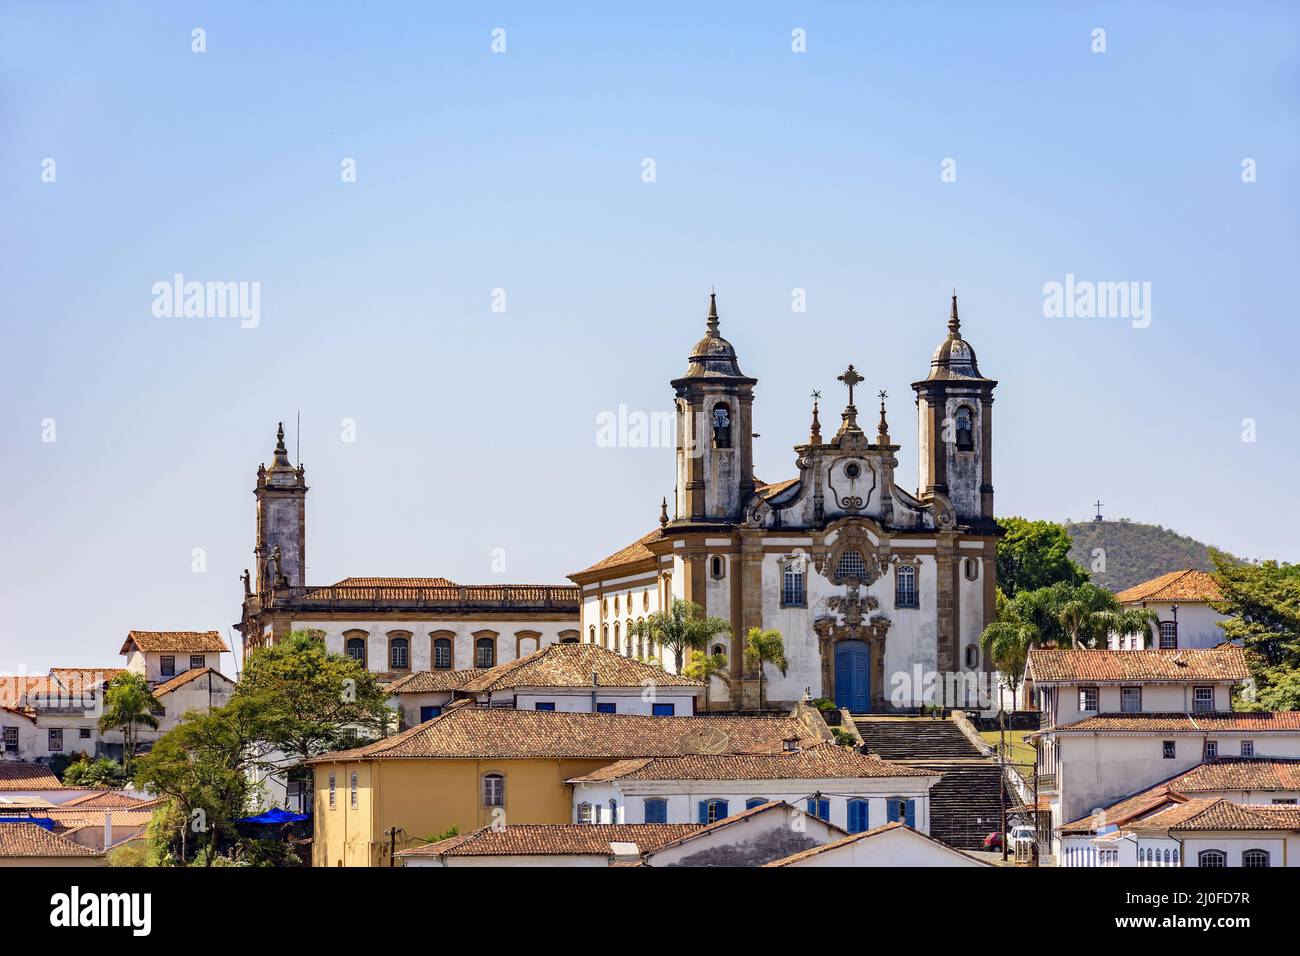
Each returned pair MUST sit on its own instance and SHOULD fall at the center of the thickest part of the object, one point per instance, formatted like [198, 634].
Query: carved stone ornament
[851, 481]
[853, 537]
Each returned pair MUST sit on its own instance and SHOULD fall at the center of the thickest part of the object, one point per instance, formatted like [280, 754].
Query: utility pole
[1002, 777]
[392, 844]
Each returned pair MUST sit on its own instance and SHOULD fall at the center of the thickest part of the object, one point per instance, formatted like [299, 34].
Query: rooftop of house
[634, 553]
[1050, 665]
[180, 680]
[868, 835]
[175, 642]
[820, 762]
[1220, 813]
[1180, 587]
[427, 682]
[572, 665]
[21, 839]
[500, 732]
[22, 775]
[559, 839]
[106, 800]
[1211, 722]
[433, 592]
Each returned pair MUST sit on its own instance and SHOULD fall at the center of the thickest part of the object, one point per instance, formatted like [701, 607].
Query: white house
[1181, 602]
[162, 655]
[894, 844]
[833, 783]
[1215, 832]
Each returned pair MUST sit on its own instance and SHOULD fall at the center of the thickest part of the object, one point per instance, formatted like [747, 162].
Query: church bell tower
[955, 410]
[715, 442]
[281, 494]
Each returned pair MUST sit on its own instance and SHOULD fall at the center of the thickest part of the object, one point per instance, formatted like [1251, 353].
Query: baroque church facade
[880, 594]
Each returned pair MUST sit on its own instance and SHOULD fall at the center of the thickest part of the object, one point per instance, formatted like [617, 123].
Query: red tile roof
[500, 732]
[867, 835]
[632, 554]
[557, 839]
[21, 775]
[175, 642]
[1227, 662]
[1183, 587]
[571, 665]
[1242, 721]
[1219, 813]
[428, 682]
[106, 800]
[821, 762]
[77, 678]
[180, 680]
[31, 840]
[15, 689]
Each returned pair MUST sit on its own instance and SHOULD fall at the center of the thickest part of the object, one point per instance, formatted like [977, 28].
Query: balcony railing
[451, 597]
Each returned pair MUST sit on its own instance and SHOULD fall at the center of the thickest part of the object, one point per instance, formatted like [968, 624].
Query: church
[880, 594]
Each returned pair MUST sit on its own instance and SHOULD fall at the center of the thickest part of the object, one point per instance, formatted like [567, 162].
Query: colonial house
[394, 626]
[894, 844]
[873, 587]
[1215, 832]
[1181, 602]
[1116, 720]
[161, 655]
[831, 782]
[424, 695]
[476, 766]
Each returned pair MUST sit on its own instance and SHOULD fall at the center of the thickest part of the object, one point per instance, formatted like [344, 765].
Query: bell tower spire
[281, 493]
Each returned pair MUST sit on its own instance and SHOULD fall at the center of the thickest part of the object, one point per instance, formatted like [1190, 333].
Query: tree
[704, 667]
[1035, 554]
[104, 772]
[761, 648]
[1263, 604]
[682, 627]
[1008, 639]
[128, 702]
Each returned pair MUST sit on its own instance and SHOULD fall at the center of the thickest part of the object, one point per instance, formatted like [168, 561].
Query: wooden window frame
[489, 799]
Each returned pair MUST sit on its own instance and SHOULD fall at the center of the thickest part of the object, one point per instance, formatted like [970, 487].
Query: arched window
[399, 654]
[1175, 856]
[793, 592]
[592, 633]
[656, 810]
[1255, 859]
[851, 565]
[494, 790]
[965, 433]
[972, 657]
[1213, 858]
[442, 653]
[972, 569]
[719, 649]
[858, 816]
[616, 605]
[566, 637]
[630, 634]
[1168, 858]
[645, 600]
[615, 645]
[613, 811]
[604, 636]
[584, 813]
[356, 649]
[905, 586]
[721, 425]
[485, 652]
[717, 567]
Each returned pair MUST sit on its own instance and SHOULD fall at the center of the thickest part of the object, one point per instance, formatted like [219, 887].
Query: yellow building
[479, 766]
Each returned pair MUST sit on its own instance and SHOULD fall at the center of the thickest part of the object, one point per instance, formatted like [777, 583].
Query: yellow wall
[427, 797]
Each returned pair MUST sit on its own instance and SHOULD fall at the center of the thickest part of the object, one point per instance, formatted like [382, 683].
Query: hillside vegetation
[1134, 552]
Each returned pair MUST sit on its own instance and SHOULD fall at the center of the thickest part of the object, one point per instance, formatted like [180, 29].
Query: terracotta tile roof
[772, 805]
[1243, 721]
[571, 665]
[1050, 665]
[106, 800]
[31, 840]
[436, 592]
[12, 803]
[774, 489]
[1219, 813]
[632, 554]
[1181, 586]
[76, 678]
[73, 818]
[426, 682]
[15, 689]
[501, 732]
[180, 680]
[563, 839]
[21, 775]
[178, 642]
[867, 835]
[1128, 809]
[15, 712]
[824, 761]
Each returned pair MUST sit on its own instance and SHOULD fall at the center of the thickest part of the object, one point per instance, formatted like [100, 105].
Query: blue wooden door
[853, 676]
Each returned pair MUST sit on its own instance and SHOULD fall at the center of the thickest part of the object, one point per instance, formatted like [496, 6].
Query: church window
[615, 605]
[905, 586]
[793, 592]
[399, 654]
[851, 565]
[965, 435]
[972, 569]
[614, 646]
[717, 567]
[604, 635]
[591, 633]
[167, 665]
[442, 653]
[584, 813]
[494, 790]
[485, 652]
[718, 649]
[656, 810]
[721, 426]
[356, 649]
[972, 657]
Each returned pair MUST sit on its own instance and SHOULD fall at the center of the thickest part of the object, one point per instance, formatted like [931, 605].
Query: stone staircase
[964, 805]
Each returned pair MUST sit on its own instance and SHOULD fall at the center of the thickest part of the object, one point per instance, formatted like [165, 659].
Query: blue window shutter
[858, 816]
[811, 807]
[544, 705]
[911, 814]
[753, 802]
[663, 710]
[722, 808]
[704, 811]
[892, 806]
[656, 811]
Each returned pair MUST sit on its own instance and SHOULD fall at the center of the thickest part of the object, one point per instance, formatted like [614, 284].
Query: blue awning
[275, 815]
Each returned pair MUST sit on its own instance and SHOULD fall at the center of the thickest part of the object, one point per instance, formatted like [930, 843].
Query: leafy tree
[765, 647]
[682, 627]
[1008, 639]
[128, 702]
[1263, 604]
[104, 772]
[1035, 554]
[704, 667]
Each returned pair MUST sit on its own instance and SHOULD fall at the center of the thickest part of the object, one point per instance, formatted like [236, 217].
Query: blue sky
[775, 170]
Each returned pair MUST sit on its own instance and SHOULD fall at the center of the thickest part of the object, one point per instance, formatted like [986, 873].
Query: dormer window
[965, 434]
[721, 426]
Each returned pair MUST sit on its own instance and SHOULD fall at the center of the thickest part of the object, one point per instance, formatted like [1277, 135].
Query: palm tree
[128, 702]
[705, 667]
[682, 627]
[765, 647]
[1008, 639]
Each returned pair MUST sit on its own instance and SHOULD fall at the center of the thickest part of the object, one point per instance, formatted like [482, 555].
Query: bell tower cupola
[715, 447]
[281, 494]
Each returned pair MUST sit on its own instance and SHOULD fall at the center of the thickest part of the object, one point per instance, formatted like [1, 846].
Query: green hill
[1134, 552]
